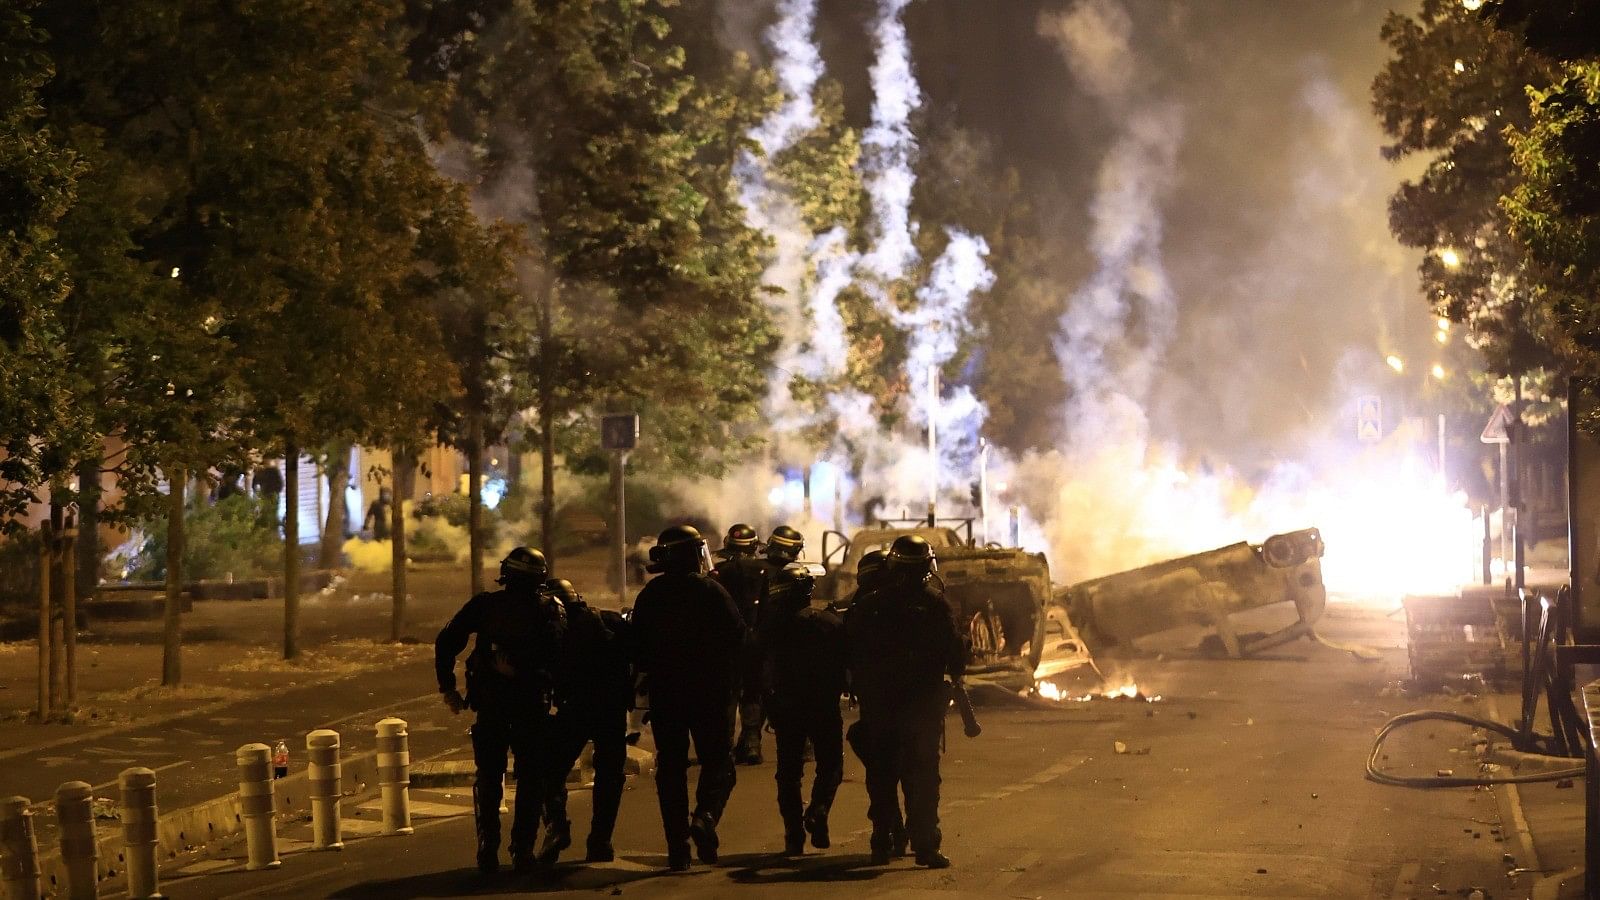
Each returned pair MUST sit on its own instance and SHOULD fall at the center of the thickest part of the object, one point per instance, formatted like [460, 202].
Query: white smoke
[890, 147]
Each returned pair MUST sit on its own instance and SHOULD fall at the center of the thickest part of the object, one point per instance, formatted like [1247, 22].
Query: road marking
[1527, 855]
[1405, 882]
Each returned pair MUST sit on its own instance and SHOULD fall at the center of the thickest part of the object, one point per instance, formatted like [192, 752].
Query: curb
[195, 826]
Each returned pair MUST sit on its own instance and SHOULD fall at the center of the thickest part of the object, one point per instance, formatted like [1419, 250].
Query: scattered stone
[1261, 871]
[1193, 714]
[1564, 783]
[1120, 746]
[1313, 796]
[1446, 773]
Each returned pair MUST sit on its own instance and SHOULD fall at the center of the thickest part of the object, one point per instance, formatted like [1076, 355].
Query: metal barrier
[139, 822]
[394, 775]
[256, 806]
[323, 777]
[19, 850]
[80, 851]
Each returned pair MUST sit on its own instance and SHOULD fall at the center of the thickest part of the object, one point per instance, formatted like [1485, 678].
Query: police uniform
[805, 653]
[903, 643]
[509, 679]
[745, 578]
[594, 690]
[687, 636]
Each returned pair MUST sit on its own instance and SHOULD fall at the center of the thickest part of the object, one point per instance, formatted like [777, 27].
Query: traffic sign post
[1498, 431]
[619, 433]
[1369, 419]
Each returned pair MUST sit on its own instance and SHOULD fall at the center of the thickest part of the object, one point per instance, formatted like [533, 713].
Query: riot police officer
[509, 679]
[687, 636]
[743, 574]
[902, 647]
[593, 691]
[883, 781]
[805, 655]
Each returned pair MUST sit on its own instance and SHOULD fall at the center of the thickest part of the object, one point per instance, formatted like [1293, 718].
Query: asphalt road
[1245, 780]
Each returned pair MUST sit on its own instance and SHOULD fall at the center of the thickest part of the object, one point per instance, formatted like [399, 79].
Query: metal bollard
[139, 832]
[394, 775]
[323, 775]
[19, 850]
[80, 851]
[256, 806]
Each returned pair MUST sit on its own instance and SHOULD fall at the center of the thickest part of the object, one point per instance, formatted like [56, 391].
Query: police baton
[969, 719]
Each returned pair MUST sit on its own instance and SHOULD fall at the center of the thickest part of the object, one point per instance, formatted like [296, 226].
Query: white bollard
[323, 775]
[139, 832]
[394, 775]
[80, 850]
[257, 807]
[19, 850]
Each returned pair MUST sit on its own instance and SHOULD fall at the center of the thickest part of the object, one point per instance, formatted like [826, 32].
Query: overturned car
[1111, 612]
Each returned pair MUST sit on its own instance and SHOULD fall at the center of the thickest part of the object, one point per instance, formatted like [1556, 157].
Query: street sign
[1369, 419]
[1498, 430]
[619, 432]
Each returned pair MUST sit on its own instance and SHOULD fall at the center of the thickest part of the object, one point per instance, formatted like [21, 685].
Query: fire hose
[1374, 773]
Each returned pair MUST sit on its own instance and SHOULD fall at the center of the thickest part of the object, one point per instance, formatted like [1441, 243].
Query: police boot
[523, 859]
[933, 859]
[703, 831]
[900, 841]
[599, 851]
[678, 858]
[794, 836]
[882, 844]
[557, 837]
[816, 823]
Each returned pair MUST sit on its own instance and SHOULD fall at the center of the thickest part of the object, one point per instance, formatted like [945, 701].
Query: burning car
[999, 593]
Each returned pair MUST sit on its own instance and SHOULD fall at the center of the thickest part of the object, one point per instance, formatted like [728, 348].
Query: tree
[38, 423]
[583, 119]
[1452, 86]
[1554, 210]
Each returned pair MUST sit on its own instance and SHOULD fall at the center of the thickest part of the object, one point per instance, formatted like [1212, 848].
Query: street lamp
[1450, 258]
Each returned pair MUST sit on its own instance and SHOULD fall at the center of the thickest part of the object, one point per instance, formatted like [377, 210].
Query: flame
[1049, 690]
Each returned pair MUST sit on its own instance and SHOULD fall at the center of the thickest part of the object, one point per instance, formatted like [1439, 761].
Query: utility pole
[619, 434]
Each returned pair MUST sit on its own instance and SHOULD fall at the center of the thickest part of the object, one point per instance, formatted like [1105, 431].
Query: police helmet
[912, 556]
[562, 590]
[785, 544]
[872, 565]
[679, 549]
[792, 587]
[523, 564]
[741, 540]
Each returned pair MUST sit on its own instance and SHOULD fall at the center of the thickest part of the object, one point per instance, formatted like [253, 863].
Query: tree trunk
[172, 623]
[475, 498]
[291, 549]
[331, 554]
[404, 467]
[88, 545]
[58, 640]
[547, 433]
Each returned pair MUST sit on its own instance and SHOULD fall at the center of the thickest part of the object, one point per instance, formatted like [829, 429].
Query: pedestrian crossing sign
[1369, 419]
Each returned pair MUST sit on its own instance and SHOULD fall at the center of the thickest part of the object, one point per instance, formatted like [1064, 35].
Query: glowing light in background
[1450, 258]
[1396, 363]
[494, 490]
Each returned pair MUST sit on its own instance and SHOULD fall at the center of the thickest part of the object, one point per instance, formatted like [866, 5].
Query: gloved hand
[454, 700]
